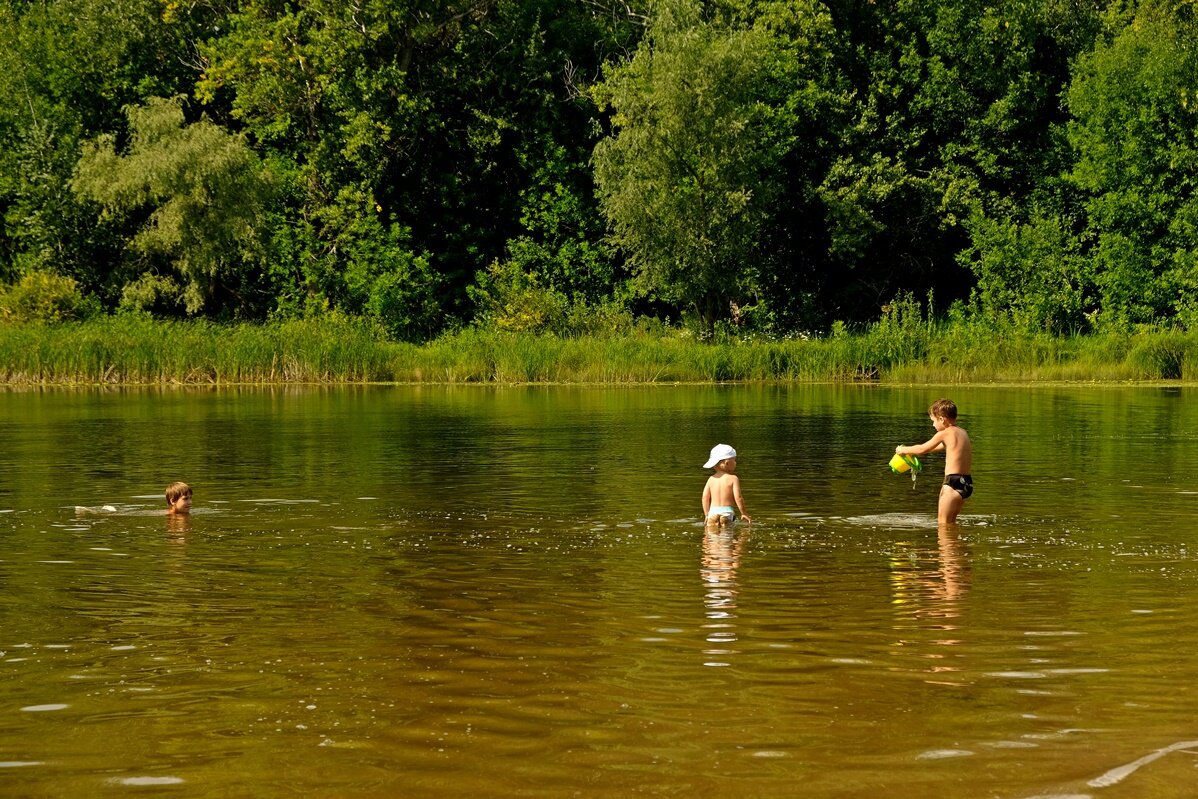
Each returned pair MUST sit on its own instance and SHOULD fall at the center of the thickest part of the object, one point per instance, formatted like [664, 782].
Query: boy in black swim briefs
[954, 442]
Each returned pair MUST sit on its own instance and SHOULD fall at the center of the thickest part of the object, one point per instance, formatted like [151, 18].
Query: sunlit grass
[334, 349]
[128, 349]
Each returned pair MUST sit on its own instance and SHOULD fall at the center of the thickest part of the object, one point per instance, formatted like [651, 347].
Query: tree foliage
[527, 164]
[67, 68]
[1134, 102]
[204, 190]
[704, 117]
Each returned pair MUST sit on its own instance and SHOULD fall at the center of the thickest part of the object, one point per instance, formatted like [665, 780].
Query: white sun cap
[719, 453]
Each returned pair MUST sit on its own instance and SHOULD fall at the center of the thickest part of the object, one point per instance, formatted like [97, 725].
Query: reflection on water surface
[435, 592]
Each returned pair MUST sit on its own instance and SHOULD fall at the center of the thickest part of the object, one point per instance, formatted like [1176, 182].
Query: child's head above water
[178, 498]
[719, 454]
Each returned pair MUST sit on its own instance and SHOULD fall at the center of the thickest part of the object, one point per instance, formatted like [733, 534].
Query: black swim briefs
[961, 483]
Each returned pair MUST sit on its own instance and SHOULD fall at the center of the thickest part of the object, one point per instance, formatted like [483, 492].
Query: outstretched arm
[933, 444]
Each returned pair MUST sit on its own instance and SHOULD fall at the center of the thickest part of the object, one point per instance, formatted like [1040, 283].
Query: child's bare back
[958, 451]
[722, 490]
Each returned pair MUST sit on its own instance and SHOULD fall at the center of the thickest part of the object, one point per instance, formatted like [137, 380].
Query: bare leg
[950, 505]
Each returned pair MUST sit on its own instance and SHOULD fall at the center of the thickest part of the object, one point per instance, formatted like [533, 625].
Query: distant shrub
[601, 320]
[45, 297]
[514, 301]
[510, 300]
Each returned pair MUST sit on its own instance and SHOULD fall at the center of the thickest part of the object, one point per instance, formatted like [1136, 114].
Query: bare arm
[740, 500]
[706, 498]
[933, 444]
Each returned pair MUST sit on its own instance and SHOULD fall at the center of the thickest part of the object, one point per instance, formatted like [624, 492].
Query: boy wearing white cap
[723, 488]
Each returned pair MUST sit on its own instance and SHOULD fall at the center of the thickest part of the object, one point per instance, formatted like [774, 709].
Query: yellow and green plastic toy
[901, 464]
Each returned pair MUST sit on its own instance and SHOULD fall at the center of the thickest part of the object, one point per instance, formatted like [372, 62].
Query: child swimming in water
[722, 489]
[954, 442]
[178, 498]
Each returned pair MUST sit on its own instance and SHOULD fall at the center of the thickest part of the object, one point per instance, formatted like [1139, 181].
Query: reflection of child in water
[178, 525]
[178, 499]
[722, 549]
[722, 488]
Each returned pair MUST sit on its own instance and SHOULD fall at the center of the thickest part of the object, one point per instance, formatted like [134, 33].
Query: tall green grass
[131, 349]
[333, 349]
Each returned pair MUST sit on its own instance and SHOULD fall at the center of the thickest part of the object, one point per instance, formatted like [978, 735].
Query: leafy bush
[510, 299]
[45, 297]
[600, 320]
[385, 279]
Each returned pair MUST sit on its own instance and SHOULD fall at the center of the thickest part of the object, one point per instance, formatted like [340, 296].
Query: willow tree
[201, 194]
[66, 69]
[701, 120]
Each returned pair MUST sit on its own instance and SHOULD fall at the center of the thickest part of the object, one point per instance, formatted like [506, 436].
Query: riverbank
[139, 351]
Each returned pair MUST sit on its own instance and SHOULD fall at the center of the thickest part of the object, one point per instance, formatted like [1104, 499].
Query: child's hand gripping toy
[901, 464]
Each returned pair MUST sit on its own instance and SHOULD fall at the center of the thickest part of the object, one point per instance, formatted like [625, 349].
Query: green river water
[479, 591]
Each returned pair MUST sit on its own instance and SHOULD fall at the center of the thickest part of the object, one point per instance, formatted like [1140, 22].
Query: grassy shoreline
[137, 351]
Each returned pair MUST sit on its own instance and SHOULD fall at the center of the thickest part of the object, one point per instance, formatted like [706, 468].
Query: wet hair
[176, 490]
[944, 409]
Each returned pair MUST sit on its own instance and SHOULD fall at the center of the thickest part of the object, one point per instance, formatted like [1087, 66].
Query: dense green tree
[1108, 238]
[704, 117]
[958, 118]
[205, 193]
[1134, 102]
[521, 136]
[67, 67]
[449, 121]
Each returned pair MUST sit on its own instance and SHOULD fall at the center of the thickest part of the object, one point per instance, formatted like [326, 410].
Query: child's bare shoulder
[959, 436]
